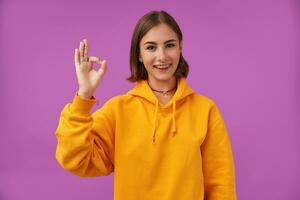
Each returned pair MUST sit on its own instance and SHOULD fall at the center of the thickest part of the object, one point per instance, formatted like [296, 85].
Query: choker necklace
[165, 93]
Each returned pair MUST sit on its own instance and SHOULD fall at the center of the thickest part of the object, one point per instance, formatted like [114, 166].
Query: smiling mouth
[162, 67]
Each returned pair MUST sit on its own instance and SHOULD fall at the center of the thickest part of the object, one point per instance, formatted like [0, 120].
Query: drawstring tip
[173, 133]
[153, 140]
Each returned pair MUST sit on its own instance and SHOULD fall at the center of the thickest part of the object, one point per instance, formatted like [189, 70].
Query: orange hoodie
[177, 151]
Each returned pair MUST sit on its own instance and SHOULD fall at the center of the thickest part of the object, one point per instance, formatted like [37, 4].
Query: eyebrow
[150, 42]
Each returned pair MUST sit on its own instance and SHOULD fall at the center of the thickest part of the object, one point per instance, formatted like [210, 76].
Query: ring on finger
[85, 59]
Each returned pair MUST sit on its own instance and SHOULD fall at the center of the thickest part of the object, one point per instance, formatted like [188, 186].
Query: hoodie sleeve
[85, 142]
[218, 163]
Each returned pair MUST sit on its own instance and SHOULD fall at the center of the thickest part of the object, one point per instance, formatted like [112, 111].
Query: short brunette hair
[148, 21]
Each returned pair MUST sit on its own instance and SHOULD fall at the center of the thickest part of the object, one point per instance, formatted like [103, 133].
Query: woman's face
[160, 52]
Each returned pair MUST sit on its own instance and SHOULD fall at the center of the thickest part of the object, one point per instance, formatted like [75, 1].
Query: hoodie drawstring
[155, 117]
[173, 120]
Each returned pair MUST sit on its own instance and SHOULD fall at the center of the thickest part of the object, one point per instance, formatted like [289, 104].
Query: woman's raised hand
[88, 78]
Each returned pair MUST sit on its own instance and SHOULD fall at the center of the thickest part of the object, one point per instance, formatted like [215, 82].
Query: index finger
[85, 49]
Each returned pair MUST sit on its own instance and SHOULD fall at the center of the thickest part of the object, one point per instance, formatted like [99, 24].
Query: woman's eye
[150, 47]
[170, 45]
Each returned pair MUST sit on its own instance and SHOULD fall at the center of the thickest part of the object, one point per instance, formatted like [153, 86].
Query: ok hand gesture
[87, 77]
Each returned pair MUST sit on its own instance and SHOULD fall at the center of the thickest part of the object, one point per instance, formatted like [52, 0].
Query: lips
[162, 66]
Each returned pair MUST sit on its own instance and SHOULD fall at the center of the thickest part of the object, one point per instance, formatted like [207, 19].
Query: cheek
[148, 59]
[176, 56]
[175, 53]
[148, 63]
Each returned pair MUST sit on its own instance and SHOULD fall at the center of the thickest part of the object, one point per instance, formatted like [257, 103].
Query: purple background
[242, 54]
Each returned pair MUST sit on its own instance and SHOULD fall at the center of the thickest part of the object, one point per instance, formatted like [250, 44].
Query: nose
[161, 55]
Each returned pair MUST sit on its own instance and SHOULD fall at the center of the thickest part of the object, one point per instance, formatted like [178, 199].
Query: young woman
[162, 140]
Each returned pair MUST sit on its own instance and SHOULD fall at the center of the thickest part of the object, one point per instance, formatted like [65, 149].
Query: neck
[162, 85]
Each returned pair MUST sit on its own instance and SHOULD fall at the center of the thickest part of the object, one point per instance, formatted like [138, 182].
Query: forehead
[159, 34]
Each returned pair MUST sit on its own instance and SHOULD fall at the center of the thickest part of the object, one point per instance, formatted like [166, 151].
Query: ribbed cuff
[81, 105]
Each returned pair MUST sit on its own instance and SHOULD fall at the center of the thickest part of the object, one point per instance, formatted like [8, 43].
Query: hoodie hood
[143, 90]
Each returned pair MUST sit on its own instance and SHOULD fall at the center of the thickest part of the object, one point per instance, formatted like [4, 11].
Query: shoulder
[111, 106]
[115, 100]
[119, 101]
[206, 104]
[202, 100]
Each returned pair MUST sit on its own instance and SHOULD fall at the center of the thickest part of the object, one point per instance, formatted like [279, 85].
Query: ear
[140, 56]
[140, 59]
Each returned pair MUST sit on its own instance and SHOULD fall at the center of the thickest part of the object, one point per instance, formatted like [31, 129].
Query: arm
[218, 163]
[85, 142]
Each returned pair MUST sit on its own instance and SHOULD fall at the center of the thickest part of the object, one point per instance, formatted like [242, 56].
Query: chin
[164, 77]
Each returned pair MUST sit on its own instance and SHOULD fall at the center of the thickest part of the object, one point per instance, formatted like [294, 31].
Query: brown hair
[148, 21]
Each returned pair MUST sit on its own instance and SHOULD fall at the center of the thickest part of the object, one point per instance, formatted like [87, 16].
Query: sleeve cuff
[82, 106]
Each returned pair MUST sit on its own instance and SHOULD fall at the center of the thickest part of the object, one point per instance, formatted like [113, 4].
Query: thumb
[102, 69]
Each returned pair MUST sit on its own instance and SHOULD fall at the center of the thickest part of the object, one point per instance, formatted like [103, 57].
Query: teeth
[162, 66]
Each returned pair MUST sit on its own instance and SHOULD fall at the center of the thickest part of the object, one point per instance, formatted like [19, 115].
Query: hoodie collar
[143, 90]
